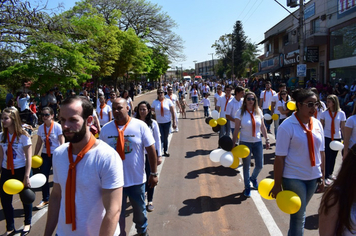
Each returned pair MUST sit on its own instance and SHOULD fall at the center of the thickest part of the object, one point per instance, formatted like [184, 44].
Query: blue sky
[201, 22]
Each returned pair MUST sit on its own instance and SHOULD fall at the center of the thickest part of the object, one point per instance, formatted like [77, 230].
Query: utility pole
[301, 36]
[195, 68]
[212, 60]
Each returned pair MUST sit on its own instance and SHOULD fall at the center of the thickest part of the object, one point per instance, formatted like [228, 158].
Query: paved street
[198, 197]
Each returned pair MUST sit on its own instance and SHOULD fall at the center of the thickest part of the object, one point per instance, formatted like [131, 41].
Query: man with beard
[87, 176]
[131, 137]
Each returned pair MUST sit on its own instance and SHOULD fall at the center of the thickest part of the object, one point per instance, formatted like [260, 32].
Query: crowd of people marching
[66, 127]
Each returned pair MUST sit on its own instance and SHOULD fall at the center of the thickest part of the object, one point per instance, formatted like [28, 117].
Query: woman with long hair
[144, 114]
[337, 212]
[299, 161]
[164, 111]
[194, 93]
[350, 132]
[50, 134]
[125, 95]
[333, 121]
[250, 119]
[15, 158]
[282, 105]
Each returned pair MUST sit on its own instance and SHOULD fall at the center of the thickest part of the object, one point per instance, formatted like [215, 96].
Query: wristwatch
[154, 174]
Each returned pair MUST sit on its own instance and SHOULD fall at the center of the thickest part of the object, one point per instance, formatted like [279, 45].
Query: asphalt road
[196, 196]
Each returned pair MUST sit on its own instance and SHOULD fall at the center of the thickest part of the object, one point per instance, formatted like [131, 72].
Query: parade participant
[24, 107]
[144, 114]
[129, 101]
[266, 100]
[282, 106]
[15, 159]
[176, 104]
[183, 105]
[219, 93]
[206, 104]
[234, 106]
[274, 106]
[87, 178]
[299, 162]
[164, 110]
[350, 132]
[113, 96]
[333, 121]
[338, 204]
[50, 134]
[205, 89]
[194, 94]
[221, 106]
[181, 90]
[130, 137]
[321, 108]
[250, 119]
[103, 111]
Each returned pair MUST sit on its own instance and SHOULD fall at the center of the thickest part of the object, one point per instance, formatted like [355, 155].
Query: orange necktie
[101, 110]
[10, 155]
[310, 139]
[332, 124]
[120, 143]
[195, 92]
[227, 100]
[253, 123]
[162, 110]
[71, 181]
[48, 146]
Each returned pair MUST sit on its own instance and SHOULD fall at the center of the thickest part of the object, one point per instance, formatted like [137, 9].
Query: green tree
[238, 43]
[249, 56]
[160, 64]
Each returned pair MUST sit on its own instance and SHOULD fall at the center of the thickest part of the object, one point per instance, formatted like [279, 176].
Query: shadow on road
[215, 170]
[202, 136]
[206, 204]
[199, 152]
[312, 222]
[269, 158]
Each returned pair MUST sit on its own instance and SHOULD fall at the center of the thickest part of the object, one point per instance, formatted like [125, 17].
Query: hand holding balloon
[26, 182]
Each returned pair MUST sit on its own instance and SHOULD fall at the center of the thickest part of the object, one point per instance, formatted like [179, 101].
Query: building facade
[206, 68]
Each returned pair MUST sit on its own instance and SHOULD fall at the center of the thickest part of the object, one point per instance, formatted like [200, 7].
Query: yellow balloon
[291, 105]
[96, 135]
[264, 187]
[238, 135]
[289, 202]
[213, 123]
[240, 151]
[221, 121]
[269, 107]
[275, 117]
[236, 163]
[36, 161]
[13, 186]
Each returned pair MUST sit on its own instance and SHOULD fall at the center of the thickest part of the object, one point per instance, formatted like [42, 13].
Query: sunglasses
[250, 99]
[45, 114]
[312, 104]
[160, 92]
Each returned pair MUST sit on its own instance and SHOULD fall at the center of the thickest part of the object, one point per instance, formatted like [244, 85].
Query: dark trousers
[330, 157]
[149, 190]
[45, 169]
[6, 199]
[206, 111]
[164, 130]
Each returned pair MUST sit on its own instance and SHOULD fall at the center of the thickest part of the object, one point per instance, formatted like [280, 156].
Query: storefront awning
[271, 70]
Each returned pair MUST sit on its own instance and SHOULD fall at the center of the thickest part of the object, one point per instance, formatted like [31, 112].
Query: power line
[248, 2]
[250, 9]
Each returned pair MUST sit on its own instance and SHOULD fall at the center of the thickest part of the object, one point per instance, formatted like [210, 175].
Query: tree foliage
[238, 43]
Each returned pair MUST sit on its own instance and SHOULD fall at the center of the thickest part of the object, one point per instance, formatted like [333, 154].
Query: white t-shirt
[100, 168]
[137, 137]
[246, 126]
[320, 110]
[292, 142]
[157, 137]
[109, 103]
[269, 95]
[129, 100]
[232, 108]
[106, 110]
[182, 89]
[222, 103]
[351, 123]
[340, 116]
[53, 137]
[167, 115]
[174, 100]
[17, 150]
[217, 96]
[276, 98]
[206, 89]
[194, 93]
[284, 106]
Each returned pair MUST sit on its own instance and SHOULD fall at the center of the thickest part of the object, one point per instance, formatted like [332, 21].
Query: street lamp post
[212, 59]
[195, 68]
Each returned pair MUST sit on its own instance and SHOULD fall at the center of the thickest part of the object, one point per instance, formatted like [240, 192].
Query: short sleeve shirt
[222, 103]
[17, 150]
[53, 136]
[340, 116]
[351, 123]
[266, 103]
[106, 110]
[167, 115]
[232, 108]
[246, 126]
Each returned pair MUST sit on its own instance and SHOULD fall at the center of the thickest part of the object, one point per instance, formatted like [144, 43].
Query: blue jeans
[257, 150]
[330, 157]
[267, 111]
[6, 199]
[194, 99]
[225, 129]
[206, 111]
[136, 196]
[164, 130]
[45, 169]
[305, 190]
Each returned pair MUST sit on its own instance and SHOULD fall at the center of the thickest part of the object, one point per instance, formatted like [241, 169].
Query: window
[285, 39]
[314, 26]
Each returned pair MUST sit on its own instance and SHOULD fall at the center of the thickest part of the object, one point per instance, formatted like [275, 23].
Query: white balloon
[336, 146]
[227, 159]
[38, 180]
[215, 114]
[267, 116]
[216, 154]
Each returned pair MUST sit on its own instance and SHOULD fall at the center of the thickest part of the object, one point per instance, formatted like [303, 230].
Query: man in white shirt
[176, 104]
[234, 106]
[131, 147]
[265, 102]
[222, 107]
[205, 89]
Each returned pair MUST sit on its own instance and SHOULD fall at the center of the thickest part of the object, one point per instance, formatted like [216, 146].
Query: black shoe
[166, 154]
[143, 234]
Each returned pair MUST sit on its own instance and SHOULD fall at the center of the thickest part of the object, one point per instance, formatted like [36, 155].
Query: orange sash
[48, 146]
[120, 143]
[10, 155]
[310, 139]
[332, 124]
[253, 123]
